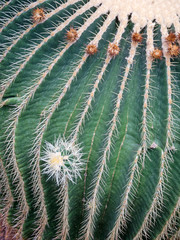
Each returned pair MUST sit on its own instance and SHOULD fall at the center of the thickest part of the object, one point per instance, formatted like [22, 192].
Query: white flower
[62, 161]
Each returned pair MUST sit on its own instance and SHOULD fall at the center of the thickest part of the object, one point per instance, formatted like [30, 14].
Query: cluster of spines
[49, 112]
[176, 236]
[6, 196]
[16, 177]
[18, 69]
[166, 156]
[170, 224]
[93, 204]
[36, 19]
[123, 211]
[4, 4]
[62, 229]
[22, 206]
[37, 186]
[115, 167]
[8, 20]
[149, 59]
[90, 151]
[136, 39]
[158, 200]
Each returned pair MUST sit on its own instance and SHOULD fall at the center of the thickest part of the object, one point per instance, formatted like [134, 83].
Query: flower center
[57, 160]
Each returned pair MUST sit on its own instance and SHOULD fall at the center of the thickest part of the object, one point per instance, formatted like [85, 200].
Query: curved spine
[176, 236]
[22, 208]
[117, 159]
[32, 5]
[48, 114]
[92, 142]
[89, 100]
[123, 211]
[149, 59]
[48, 15]
[4, 5]
[96, 84]
[6, 196]
[37, 186]
[93, 203]
[7, 83]
[63, 231]
[75, 107]
[169, 225]
[157, 202]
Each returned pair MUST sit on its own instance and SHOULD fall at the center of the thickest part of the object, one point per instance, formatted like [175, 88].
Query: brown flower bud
[157, 53]
[91, 49]
[38, 15]
[137, 37]
[72, 35]
[113, 49]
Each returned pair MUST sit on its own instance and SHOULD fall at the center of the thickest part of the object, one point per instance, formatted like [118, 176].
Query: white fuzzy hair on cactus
[62, 161]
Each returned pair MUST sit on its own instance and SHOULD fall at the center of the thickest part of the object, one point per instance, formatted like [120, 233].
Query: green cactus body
[89, 120]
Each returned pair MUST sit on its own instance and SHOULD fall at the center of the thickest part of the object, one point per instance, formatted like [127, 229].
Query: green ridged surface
[130, 117]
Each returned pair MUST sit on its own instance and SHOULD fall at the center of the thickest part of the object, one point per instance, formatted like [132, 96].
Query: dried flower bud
[171, 37]
[157, 53]
[72, 35]
[137, 37]
[91, 49]
[38, 15]
[113, 49]
[173, 50]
